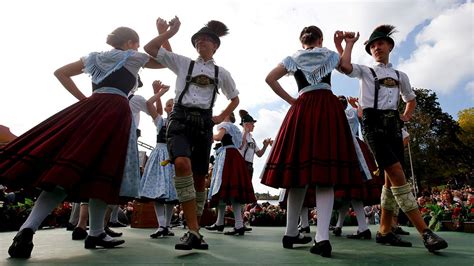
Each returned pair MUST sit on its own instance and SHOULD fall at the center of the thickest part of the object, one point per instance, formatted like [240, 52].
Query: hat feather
[387, 29]
[219, 28]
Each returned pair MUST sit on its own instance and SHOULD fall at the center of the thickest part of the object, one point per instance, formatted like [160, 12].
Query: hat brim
[369, 42]
[207, 32]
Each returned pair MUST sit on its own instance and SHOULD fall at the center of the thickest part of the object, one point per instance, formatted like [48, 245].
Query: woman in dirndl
[314, 146]
[157, 182]
[231, 182]
[87, 151]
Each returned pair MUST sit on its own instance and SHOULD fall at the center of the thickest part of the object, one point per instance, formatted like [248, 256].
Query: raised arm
[154, 45]
[345, 64]
[272, 81]
[64, 74]
[153, 104]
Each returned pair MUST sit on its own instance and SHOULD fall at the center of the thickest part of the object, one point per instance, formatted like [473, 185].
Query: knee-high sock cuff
[185, 188]
[387, 200]
[405, 198]
[200, 201]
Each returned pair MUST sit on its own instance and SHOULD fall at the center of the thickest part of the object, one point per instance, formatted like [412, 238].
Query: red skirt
[314, 146]
[236, 183]
[81, 149]
[372, 189]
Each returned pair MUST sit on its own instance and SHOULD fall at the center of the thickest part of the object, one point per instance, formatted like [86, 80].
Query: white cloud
[444, 57]
[470, 89]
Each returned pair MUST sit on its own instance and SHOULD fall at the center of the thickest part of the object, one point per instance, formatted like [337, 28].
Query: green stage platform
[262, 246]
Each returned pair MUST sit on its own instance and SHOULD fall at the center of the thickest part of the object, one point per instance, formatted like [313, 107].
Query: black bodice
[121, 79]
[302, 82]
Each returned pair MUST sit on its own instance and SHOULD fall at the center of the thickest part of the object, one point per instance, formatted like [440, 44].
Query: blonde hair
[120, 36]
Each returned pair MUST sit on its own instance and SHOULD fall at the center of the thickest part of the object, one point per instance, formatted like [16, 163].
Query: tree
[466, 121]
[437, 152]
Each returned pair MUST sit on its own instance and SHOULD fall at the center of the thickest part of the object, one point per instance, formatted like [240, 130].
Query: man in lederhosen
[189, 134]
[381, 86]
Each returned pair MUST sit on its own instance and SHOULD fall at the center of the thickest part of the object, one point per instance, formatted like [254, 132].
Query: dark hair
[232, 117]
[120, 36]
[343, 101]
[310, 34]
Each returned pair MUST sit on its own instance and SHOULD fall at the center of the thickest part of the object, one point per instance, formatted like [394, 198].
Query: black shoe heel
[22, 244]
[288, 241]
[235, 231]
[322, 248]
[92, 242]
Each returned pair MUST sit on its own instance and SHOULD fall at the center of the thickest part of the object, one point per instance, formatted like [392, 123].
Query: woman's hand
[338, 37]
[174, 25]
[351, 37]
[162, 25]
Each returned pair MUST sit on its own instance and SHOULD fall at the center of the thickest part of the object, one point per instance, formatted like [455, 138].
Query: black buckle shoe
[112, 233]
[304, 229]
[92, 242]
[432, 241]
[190, 241]
[70, 227]
[288, 241]
[79, 233]
[361, 235]
[215, 227]
[22, 244]
[160, 233]
[391, 239]
[235, 231]
[337, 231]
[399, 231]
[322, 248]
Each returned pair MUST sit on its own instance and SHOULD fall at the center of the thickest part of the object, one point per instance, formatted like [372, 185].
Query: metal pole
[415, 187]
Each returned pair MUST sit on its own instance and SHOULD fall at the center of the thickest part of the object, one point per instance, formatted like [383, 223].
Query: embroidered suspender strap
[377, 87]
[247, 148]
[188, 81]
[130, 96]
[216, 83]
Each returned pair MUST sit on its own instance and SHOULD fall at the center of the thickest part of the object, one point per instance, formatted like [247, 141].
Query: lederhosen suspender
[377, 86]
[247, 148]
[189, 78]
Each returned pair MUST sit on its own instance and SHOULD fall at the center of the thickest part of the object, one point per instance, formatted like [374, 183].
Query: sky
[434, 46]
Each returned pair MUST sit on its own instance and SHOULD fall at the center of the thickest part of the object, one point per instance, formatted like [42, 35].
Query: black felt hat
[245, 117]
[213, 29]
[381, 32]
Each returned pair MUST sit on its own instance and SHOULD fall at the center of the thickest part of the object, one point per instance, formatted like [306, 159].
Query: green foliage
[437, 152]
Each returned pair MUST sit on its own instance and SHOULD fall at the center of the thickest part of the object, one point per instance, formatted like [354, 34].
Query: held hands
[172, 26]
[353, 101]
[267, 141]
[338, 37]
[218, 119]
[160, 88]
[351, 37]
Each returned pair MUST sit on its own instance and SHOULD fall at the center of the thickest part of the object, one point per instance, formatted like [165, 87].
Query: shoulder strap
[376, 86]
[216, 84]
[188, 81]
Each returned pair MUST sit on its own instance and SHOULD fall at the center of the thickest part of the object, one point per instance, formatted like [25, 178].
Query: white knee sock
[114, 213]
[360, 215]
[220, 213]
[304, 217]
[97, 210]
[341, 214]
[169, 208]
[75, 209]
[239, 221]
[44, 205]
[324, 204]
[160, 214]
[293, 209]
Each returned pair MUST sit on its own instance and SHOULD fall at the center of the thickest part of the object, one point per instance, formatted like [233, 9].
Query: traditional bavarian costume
[157, 182]
[90, 148]
[230, 179]
[231, 183]
[381, 86]
[314, 145]
[190, 123]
